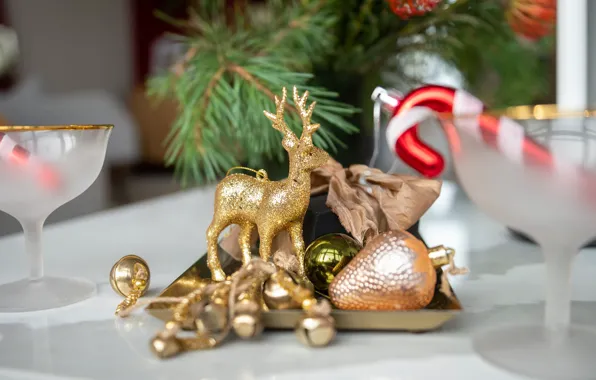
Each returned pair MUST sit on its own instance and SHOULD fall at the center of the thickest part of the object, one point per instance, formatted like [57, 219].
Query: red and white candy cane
[500, 133]
[12, 152]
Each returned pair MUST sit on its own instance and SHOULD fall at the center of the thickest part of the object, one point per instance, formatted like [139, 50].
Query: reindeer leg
[266, 239]
[295, 231]
[217, 273]
[244, 241]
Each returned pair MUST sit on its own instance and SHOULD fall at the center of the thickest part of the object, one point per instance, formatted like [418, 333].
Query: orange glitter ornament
[532, 19]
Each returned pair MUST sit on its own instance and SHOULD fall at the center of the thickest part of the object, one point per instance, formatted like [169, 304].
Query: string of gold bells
[215, 308]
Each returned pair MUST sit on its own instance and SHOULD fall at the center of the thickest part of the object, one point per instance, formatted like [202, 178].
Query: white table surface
[85, 341]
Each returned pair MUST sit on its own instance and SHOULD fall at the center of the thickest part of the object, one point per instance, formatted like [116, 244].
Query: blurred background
[159, 68]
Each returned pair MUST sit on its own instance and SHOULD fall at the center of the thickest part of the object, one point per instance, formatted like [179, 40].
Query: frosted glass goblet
[551, 202]
[42, 168]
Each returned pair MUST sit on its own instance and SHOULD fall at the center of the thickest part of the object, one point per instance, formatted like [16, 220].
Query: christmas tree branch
[231, 73]
[216, 77]
[253, 81]
[365, 9]
[180, 66]
[299, 23]
[229, 76]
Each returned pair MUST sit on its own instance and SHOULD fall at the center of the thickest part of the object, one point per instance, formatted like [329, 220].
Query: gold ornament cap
[441, 256]
[123, 274]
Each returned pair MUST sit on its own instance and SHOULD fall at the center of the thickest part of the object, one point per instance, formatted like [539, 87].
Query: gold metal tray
[442, 308]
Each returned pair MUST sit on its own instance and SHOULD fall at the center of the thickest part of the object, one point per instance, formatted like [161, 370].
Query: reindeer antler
[290, 140]
[305, 114]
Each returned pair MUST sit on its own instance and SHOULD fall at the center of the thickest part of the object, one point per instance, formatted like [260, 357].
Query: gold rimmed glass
[533, 168]
[42, 168]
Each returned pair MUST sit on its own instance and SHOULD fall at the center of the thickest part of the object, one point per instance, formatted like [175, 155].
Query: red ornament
[409, 8]
[532, 19]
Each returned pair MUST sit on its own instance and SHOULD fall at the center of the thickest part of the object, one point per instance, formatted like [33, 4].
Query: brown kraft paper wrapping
[369, 202]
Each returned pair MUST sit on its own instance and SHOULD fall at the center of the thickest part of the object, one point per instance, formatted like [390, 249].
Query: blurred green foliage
[238, 60]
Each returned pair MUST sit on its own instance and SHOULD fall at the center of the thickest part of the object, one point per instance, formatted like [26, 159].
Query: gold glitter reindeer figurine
[270, 206]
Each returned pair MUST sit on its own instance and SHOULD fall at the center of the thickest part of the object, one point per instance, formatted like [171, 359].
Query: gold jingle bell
[247, 325]
[315, 330]
[212, 319]
[130, 277]
[165, 347]
[247, 321]
[277, 297]
[124, 271]
[326, 256]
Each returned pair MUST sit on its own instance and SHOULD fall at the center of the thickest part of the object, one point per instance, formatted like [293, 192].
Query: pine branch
[299, 23]
[228, 77]
[230, 73]
[364, 10]
[180, 66]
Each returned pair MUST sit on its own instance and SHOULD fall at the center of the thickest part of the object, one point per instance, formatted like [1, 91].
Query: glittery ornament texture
[410, 8]
[393, 272]
[269, 206]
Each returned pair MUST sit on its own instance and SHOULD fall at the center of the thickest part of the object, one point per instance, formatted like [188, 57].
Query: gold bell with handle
[130, 278]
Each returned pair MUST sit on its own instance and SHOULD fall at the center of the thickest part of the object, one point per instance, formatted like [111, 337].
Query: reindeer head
[302, 151]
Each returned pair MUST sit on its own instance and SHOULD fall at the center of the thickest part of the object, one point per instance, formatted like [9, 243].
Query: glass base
[43, 294]
[529, 350]
[526, 238]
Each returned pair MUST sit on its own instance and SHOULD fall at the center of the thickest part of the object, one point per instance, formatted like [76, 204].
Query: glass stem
[32, 231]
[558, 262]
